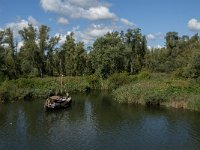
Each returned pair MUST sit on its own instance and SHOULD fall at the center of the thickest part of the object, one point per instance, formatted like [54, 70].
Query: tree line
[41, 55]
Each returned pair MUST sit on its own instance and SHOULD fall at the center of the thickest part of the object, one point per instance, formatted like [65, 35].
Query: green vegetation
[23, 88]
[161, 89]
[116, 61]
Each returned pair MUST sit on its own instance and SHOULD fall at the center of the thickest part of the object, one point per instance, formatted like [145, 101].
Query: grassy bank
[145, 88]
[26, 88]
[161, 89]
[40, 87]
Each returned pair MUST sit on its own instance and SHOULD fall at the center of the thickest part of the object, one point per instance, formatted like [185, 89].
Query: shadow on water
[95, 121]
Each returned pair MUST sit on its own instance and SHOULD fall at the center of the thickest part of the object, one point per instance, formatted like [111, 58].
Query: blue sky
[89, 19]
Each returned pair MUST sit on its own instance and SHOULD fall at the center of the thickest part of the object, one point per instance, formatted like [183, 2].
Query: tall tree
[2, 55]
[11, 54]
[108, 55]
[29, 51]
[40, 60]
[172, 40]
[52, 57]
[68, 55]
[136, 43]
[80, 59]
[73, 56]
[37, 51]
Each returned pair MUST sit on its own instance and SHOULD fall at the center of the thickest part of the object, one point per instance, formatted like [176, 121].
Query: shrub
[118, 79]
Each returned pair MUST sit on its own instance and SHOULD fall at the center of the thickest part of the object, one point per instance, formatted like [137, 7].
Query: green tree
[73, 56]
[52, 61]
[193, 68]
[37, 51]
[11, 55]
[172, 40]
[137, 45]
[29, 50]
[108, 55]
[2, 56]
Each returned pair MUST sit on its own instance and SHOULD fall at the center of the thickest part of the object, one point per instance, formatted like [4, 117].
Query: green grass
[40, 87]
[23, 88]
[160, 90]
[145, 88]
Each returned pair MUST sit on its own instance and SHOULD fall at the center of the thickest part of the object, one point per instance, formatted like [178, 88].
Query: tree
[37, 51]
[68, 55]
[136, 43]
[52, 61]
[29, 50]
[193, 68]
[11, 55]
[40, 60]
[80, 59]
[72, 56]
[2, 55]
[108, 55]
[172, 39]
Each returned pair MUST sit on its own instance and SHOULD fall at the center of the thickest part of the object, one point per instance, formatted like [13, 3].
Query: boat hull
[58, 104]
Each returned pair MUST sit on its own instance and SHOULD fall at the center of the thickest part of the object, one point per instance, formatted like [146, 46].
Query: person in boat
[48, 102]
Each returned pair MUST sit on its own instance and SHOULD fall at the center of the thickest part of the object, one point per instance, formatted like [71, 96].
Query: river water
[96, 122]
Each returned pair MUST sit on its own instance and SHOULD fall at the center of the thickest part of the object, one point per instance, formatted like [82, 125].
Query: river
[96, 122]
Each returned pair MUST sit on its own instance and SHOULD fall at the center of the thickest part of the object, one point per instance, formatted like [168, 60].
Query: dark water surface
[95, 122]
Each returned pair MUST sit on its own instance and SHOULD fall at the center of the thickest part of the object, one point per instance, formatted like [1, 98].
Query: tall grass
[26, 88]
[40, 87]
[161, 90]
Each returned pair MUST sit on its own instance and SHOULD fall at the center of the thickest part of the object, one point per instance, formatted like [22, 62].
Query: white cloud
[194, 25]
[127, 22]
[5, 45]
[19, 25]
[33, 21]
[87, 9]
[150, 37]
[155, 47]
[84, 3]
[98, 13]
[155, 36]
[88, 35]
[62, 37]
[158, 46]
[16, 26]
[19, 45]
[62, 21]
[94, 31]
[1, 29]
[97, 30]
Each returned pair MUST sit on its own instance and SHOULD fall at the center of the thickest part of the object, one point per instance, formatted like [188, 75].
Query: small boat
[57, 102]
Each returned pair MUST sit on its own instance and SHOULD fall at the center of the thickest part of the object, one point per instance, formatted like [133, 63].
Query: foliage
[118, 79]
[108, 55]
[169, 92]
[115, 60]
[193, 68]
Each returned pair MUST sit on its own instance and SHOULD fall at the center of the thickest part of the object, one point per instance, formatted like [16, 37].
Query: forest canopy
[41, 55]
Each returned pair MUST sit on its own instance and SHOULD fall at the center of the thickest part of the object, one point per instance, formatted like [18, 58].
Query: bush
[175, 92]
[94, 81]
[118, 79]
[144, 74]
[39, 87]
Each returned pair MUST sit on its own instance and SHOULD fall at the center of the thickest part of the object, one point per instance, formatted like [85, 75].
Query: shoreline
[145, 89]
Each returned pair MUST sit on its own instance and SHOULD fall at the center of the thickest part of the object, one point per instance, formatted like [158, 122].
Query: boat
[57, 102]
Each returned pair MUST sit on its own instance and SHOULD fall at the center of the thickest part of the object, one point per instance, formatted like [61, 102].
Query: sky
[90, 19]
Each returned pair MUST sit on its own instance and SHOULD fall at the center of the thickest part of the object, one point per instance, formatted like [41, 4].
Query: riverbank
[144, 88]
[160, 89]
[27, 88]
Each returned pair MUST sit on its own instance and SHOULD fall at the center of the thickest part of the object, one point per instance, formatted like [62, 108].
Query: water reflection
[95, 121]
